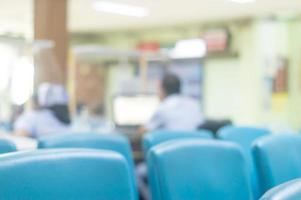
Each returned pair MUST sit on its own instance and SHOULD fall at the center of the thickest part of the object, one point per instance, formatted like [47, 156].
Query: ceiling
[165, 12]
[16, 16]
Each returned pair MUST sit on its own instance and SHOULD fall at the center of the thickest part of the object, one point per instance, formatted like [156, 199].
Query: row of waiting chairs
[65, 174]
[189, 168]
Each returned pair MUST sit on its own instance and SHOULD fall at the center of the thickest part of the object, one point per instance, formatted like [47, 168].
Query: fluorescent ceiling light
[243, 1]
[191, 48]
[120, 8]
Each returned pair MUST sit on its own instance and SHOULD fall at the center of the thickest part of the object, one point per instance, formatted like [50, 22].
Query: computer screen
[134, 110]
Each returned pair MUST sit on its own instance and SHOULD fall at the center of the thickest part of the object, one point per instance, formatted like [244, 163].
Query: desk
[22, 143]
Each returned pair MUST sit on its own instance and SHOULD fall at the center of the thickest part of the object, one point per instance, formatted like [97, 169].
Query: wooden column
[50, 23]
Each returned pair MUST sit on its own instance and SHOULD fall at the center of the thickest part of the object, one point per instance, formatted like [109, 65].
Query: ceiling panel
[162, 12]
[17, 15]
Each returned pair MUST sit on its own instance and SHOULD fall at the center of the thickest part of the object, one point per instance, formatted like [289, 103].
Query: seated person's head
[170, 85]
[50, 94]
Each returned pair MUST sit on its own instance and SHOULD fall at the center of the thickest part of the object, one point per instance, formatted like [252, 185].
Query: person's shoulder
[181, 98]
[43, 112]
[29, 114]
[27, 119]
[191, 99]
[170, 100]
[36, 114]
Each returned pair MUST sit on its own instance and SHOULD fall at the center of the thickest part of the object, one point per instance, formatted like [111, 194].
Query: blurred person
[176, 111]
[50, 113]
[92, 118]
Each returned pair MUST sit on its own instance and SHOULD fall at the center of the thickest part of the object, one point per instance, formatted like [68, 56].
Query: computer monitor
[134, 110]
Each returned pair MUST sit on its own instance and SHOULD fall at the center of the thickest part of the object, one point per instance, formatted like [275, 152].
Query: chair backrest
[113, 142]
[245, 136]
[198, 169]
[154, 138]
[287, 191]
[7, 146]
[65, 174]
[277, 159]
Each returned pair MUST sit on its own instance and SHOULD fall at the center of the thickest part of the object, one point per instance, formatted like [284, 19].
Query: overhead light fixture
[243, 1]
[190, 48]
[120, 8]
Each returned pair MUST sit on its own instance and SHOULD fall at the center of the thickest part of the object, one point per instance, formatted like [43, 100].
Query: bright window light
[191, 48]
[7, 55]
[22, 81]
[120, 8]
[243, 1]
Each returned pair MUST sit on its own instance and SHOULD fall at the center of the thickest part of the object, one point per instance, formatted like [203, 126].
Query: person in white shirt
[176, 111]
[50, 115]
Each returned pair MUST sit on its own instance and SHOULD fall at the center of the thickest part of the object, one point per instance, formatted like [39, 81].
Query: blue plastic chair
[111, 142]
[65, 174]
[154, 138]
[245, 136]
[198, 169]
[7, 146]
[287, 191]
[277, 159]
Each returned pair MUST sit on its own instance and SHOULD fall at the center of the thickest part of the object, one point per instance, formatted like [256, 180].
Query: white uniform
[40, 123]
[176, 112]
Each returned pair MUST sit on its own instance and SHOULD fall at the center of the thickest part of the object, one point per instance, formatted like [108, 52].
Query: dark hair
[171, 84]
[61, 112]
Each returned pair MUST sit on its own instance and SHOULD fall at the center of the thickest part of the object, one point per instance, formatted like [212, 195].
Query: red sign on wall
[217, 40]
[148, 46]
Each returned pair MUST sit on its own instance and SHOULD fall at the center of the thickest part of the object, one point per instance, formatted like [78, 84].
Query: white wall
[234, 87]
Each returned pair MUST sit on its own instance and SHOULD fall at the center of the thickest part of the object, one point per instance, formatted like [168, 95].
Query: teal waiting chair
[198, 169]
[245, 136]
[287, 191]
[65, 174]
[154, 138]
[277, 159]
[113, 142]
[7, 146]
